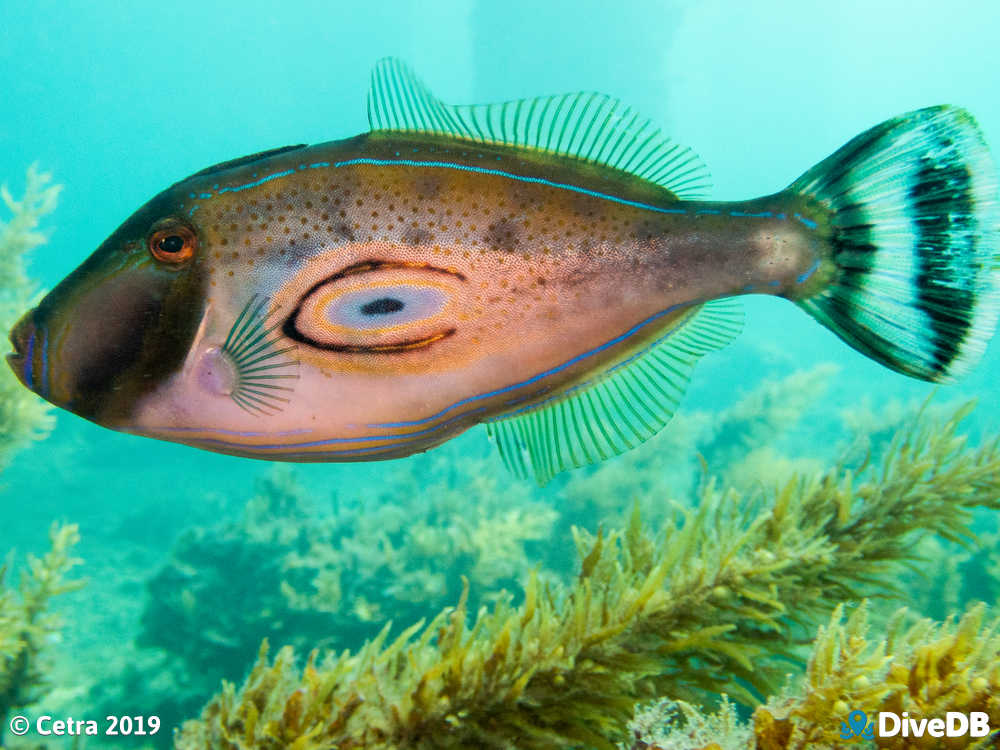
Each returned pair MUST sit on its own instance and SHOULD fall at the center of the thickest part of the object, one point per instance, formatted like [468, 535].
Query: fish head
[122, 322]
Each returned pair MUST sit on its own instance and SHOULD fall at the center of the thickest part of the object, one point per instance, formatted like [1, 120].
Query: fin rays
[591, 127]
[620, 409]
[914, 226]
[261, 369]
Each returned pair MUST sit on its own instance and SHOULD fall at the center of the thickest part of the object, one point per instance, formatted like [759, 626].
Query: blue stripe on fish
[401, 438]
[43, 382]
[508, 175]
[29, 363]
[237, 433]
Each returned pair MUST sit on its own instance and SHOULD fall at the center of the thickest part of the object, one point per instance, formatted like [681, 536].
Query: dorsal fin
[621, 408]
[591, 127]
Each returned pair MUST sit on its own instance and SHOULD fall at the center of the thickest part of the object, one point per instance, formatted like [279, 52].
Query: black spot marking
[290, 327]
[117, 348]
[382, 306]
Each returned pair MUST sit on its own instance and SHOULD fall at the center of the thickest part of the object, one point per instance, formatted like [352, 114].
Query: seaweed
[718, 602]
[923, 670]
[287, 570]
[678, 725]
[25, 623]
[296, 572]
[23, 416]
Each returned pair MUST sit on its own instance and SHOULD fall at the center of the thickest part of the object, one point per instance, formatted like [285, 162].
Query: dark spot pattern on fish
[503, 236]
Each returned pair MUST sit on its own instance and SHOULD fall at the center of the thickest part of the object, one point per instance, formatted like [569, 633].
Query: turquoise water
[119, 100]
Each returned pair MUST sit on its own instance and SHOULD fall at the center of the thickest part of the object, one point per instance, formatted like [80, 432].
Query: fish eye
[172, 241]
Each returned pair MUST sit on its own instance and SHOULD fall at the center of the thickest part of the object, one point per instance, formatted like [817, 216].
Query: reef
[717, 602]
[23, 416]
[26, 624]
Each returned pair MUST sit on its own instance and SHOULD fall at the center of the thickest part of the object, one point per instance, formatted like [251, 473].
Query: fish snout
[23, 339]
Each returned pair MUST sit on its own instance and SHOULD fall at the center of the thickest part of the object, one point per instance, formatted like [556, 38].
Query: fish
[549, 268]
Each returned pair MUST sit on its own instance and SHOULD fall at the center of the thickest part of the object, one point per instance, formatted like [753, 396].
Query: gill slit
[195, 351]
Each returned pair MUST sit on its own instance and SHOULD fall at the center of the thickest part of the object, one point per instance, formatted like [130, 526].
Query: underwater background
[191, 558]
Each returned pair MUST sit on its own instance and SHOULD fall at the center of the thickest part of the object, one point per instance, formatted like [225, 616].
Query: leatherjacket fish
[544, 267]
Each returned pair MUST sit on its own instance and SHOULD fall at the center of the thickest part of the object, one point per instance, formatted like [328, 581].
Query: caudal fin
[913, 222]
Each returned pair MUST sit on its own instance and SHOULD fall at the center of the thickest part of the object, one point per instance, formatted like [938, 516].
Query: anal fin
[620, 408]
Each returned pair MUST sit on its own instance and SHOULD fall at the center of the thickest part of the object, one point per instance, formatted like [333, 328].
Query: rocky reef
[305, 573]
[334, 577]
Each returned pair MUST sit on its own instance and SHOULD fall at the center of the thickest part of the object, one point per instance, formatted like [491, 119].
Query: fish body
[373, 297]
[531, 278]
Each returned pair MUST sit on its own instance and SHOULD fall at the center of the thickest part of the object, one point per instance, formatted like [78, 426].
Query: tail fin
[914, 223]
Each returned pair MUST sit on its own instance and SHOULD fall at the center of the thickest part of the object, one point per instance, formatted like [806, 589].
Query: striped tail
[913, 221]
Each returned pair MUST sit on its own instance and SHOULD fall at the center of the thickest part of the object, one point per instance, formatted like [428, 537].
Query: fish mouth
[22, 339]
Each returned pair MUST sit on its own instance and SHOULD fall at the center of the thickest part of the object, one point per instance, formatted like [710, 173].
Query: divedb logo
[889, 724]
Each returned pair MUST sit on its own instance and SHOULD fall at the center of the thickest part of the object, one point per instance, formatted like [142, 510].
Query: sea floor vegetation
[717, 602]
[26, 623]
